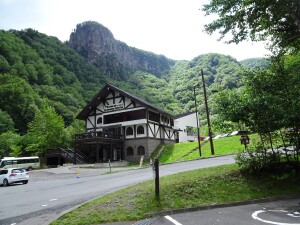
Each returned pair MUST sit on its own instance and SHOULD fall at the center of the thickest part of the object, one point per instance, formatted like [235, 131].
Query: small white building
[187, 123]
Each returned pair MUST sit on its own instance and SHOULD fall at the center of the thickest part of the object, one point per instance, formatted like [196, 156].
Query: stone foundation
[149, 144]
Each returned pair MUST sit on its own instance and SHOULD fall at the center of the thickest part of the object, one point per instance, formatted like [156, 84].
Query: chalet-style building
[121, 126]
[187, 123]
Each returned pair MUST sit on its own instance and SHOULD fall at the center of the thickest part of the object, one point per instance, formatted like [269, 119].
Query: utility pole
[207, 115]
[198, 137]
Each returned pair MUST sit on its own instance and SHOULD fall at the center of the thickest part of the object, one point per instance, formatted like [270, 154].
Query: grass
[187, 151]
[200, 187]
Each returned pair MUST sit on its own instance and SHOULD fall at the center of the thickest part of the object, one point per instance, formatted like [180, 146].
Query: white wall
[182, 123]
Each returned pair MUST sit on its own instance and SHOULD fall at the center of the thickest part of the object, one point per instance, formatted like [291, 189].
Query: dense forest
[44, 83]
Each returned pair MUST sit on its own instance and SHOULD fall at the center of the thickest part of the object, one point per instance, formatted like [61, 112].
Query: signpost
[245, 140]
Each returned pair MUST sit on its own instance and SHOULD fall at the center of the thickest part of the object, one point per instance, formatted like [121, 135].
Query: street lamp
[207, 115]
[198, 137]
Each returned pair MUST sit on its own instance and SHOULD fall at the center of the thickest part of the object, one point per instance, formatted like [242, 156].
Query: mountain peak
[92, 39]
[98, 46]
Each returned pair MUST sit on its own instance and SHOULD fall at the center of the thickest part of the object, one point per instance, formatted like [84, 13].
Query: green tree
[17, 98]
[77, 127]
[232, 105]
[270, 100]
[45, 131]
[9, 144]
[4, 65]
[6, 123]
[256, 20]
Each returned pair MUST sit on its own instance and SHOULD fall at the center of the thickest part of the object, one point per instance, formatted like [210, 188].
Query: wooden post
[59, 155]
[97, 152]
[109, 165]
[75, 154]
[156, 167]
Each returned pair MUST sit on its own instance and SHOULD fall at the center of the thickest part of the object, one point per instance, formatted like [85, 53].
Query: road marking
[256, 217]
[294, 214]
[13, 223]
[172, 220]
[44, 205]
[54, 199]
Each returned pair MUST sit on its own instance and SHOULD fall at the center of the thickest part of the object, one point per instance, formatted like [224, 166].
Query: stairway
[67, 155]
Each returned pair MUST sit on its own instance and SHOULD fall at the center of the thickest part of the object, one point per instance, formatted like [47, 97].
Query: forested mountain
[36, 67]
[256, 63]
[39, 71]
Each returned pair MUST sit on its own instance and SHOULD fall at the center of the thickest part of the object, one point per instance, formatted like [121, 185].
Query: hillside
[36, 68]
[256, 63]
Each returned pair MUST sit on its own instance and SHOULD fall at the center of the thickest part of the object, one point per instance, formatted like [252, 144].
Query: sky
[173, 28]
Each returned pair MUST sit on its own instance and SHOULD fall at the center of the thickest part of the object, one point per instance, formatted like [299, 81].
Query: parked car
[13, 175]
[239, 132]
[218, 136]
[200, 138]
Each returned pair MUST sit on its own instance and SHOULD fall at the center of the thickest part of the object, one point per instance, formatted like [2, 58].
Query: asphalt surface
[53, 192]
[50, 193]
[283, 212]
[269, 211]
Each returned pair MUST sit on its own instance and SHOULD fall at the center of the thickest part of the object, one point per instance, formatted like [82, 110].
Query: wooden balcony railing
[98, 134]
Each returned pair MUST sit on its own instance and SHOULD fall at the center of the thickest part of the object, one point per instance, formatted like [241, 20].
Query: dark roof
[101, 95]
[183, 114]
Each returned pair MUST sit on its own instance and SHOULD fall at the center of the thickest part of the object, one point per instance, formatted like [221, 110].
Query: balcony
[94, 135]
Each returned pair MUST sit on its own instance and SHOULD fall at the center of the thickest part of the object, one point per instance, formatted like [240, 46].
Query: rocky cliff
[114, 58]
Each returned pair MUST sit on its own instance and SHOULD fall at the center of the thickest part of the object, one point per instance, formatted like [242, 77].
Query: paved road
[285, 212]
[51, 192]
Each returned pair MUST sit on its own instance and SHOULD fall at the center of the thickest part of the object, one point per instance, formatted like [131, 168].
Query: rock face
[98, 46]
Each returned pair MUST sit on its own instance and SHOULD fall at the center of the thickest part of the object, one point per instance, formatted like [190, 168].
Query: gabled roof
[184, 114]
[101, 95]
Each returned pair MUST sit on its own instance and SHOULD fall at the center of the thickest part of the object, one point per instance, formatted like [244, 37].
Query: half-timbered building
[121, 126]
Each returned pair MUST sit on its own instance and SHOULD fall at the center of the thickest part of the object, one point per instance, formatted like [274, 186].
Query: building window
[99, 120]
[125, 116]
[140, 130]
[172, 122]
[141, 150]
[129, 151]
[153, 116]
[129, 131]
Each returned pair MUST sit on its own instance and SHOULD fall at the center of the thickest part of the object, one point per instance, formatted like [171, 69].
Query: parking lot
[65, 172]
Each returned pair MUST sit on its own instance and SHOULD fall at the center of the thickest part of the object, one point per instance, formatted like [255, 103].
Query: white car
[218, 136]
[239, 132]
[13, 175]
